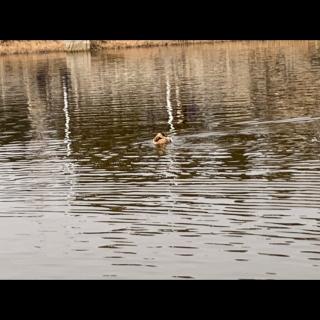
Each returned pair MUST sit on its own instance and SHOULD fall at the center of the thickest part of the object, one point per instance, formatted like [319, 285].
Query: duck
[161, 139]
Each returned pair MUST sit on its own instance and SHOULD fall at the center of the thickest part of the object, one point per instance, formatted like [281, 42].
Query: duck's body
[161, 139]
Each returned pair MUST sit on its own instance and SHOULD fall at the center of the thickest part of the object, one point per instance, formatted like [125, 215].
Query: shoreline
[11, 47]
[16, 47]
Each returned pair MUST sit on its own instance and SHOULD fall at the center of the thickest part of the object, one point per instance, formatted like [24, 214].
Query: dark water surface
[85, 194]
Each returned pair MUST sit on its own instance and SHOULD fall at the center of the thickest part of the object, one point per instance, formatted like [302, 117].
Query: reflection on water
[85, 194]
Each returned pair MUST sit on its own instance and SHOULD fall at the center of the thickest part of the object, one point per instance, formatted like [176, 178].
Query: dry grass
[117, 44]
[31, 46]
[45, 46]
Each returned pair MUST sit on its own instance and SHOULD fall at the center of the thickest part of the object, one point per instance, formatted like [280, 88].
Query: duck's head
[161, 139]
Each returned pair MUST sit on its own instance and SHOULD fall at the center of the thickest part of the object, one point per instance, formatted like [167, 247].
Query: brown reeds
[30, 46]
[45, 46]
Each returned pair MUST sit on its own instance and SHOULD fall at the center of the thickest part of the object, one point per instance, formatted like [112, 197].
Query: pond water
[85, 194]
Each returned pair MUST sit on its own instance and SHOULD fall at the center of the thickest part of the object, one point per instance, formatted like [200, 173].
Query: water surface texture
[85, 194]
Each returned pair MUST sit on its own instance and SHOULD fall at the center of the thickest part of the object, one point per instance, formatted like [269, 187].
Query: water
[85, 194]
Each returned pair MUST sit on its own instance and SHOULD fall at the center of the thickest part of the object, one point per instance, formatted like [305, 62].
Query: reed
[45, 46]
[118, 44]
[30, 46]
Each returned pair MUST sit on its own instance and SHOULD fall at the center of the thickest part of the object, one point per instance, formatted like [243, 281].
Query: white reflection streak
[3, 87]
[170, 120]
[169, 107]
[69, 168]
[67, 140]
[179, 109]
